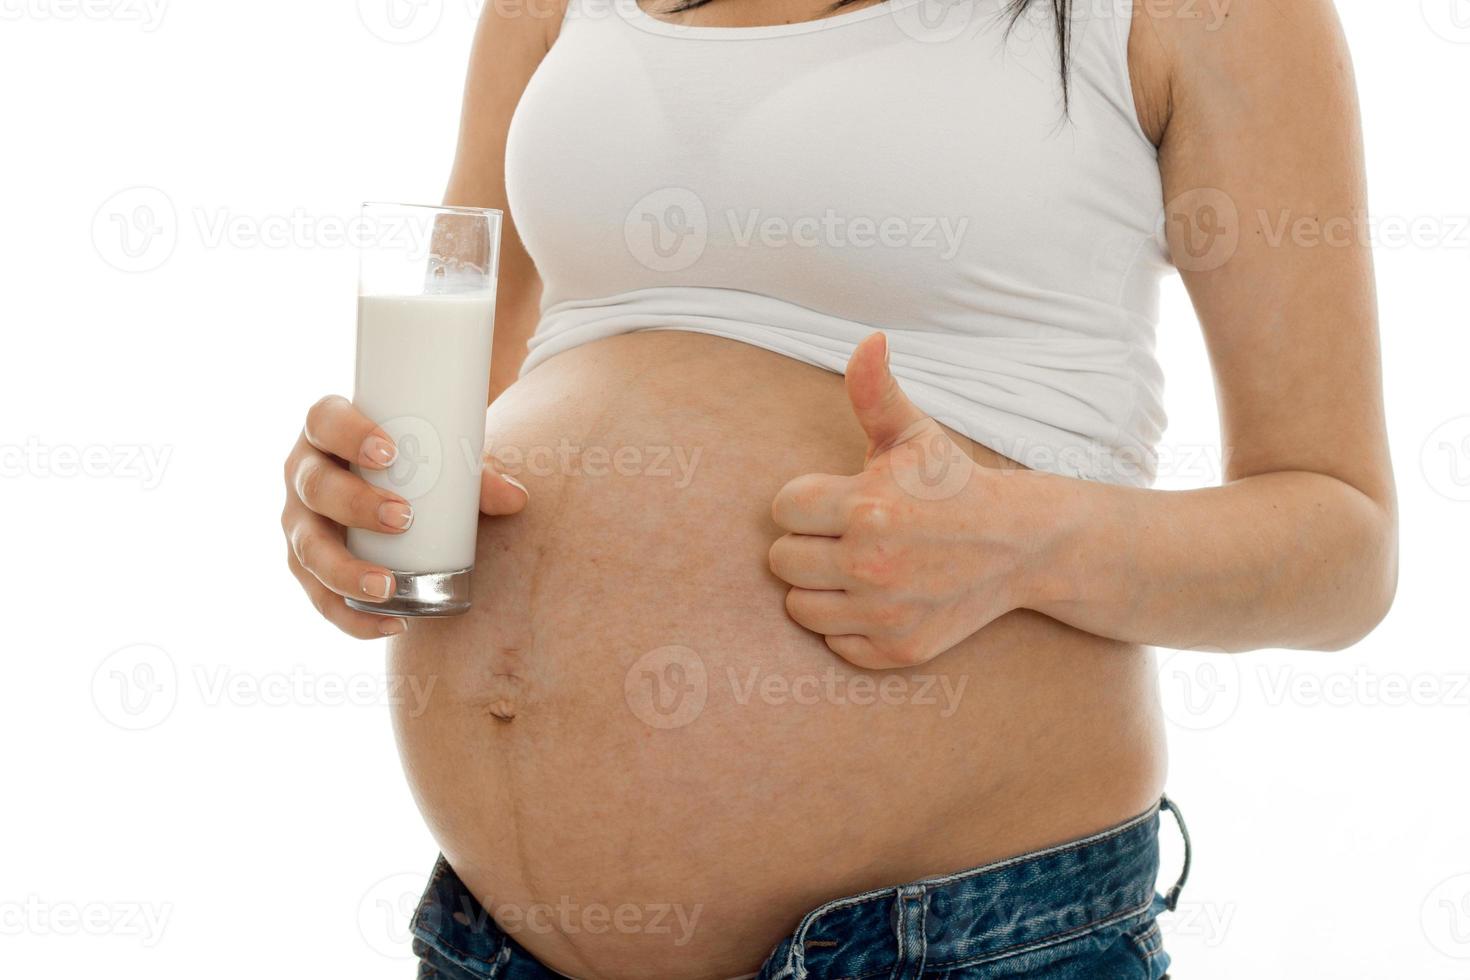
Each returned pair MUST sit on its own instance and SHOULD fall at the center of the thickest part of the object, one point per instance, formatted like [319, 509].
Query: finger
[334, 609]
[859, 651]
[830, 613]
[338, 429]
[501, 495]
[881, 407]
[347, 499]
[812, 504]
[318, 545]
[807, 561]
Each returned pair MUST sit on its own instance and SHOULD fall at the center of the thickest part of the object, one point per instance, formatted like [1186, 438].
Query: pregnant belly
[641, 766]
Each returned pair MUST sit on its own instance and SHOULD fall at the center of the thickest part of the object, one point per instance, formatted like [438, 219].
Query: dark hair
[1015, 9]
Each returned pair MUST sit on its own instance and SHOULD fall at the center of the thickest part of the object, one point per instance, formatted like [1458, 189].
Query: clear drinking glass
[425, 318]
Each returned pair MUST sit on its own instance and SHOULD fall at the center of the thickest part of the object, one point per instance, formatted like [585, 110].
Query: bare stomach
[641, 766]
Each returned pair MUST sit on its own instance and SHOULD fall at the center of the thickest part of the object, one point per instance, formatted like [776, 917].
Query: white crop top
[799, 186]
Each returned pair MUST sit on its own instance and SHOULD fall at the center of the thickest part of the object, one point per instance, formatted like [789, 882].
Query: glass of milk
[425, 316]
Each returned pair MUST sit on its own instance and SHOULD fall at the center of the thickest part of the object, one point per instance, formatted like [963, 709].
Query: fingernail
[885, 348]
[395, 514]
[379, 450]
[392, 627]
[378, 585]
[517, 484]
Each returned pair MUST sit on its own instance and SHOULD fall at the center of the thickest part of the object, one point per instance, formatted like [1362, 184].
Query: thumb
[881, 407]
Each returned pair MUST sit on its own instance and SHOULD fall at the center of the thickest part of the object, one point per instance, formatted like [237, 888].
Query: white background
[256, 823]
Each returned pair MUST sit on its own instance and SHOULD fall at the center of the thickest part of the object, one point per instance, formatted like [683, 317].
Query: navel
[503, 697]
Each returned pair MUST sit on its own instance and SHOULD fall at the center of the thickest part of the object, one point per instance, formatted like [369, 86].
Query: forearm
[1289, 559]
[516, 314]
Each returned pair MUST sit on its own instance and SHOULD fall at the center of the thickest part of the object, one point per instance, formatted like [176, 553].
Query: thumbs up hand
[902, 561]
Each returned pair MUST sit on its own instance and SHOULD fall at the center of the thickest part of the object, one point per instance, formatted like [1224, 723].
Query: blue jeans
[1085, 910]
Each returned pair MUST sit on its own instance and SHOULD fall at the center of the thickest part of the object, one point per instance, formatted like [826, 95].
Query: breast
[860, 171]
[629, 718]
[796, 193]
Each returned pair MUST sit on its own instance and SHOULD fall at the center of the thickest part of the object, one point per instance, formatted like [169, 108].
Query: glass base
[423, 594]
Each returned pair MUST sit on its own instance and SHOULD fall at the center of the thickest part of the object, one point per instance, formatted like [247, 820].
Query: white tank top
[904, 167]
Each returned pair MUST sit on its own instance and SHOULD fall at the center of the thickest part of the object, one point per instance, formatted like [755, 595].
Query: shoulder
[552, 13]
[1228, 56]
[528, 25]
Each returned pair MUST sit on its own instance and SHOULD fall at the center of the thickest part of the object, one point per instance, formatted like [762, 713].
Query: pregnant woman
[819, 562]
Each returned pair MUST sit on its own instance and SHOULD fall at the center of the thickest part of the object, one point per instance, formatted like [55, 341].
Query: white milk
[423, 374]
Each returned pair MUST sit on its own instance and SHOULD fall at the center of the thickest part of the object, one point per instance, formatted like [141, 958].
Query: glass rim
[447, 208]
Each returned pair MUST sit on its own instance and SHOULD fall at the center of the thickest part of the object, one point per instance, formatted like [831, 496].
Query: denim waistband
[989, 913]
[1005, 909]
[457, 927]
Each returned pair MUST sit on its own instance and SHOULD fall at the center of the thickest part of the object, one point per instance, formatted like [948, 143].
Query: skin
[1291, 330]
[1038, 588]
[545, 770]
[1298, 548]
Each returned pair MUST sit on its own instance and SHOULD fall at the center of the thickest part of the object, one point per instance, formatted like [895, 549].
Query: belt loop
[495, 966]
[795, 968]
[1172, 899]
[910, 926]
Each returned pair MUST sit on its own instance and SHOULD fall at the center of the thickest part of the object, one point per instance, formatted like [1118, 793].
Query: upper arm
[510, 42]
[1262, 163]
